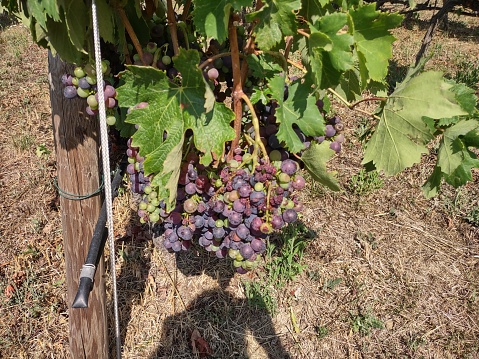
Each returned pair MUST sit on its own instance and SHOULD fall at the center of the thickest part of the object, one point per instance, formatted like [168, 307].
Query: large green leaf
[400, 138]
[373, 39]
[211, 17]
[299, 109]
[276, 19]
[173, 108]
[315, 159]
[106, 20]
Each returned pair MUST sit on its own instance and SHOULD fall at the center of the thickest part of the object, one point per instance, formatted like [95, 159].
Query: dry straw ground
[389, 273]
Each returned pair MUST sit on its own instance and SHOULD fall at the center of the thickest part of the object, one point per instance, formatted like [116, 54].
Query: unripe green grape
[237, 264]
[147, 189]
[91, 79]
[89, 70]
[110, 121]
[83, 93]
[284, 178]
[131, 160]
[105, 66]
[275, 155]
[150, 208]
[92, 102]
[155, 202]
[75, 81]
[152, 194]
[232, 253]
[239, 257]
[79, 72]
[166, 60]
[154, 217]
[143, 205]
[258, 186]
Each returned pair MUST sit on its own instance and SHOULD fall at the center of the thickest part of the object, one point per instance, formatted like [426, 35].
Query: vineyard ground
[389, 274]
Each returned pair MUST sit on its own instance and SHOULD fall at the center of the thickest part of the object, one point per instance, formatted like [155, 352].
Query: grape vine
[223, 103]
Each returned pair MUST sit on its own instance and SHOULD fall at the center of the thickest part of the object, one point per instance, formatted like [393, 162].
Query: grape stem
[186, 10]
[287, 48]
[302, 32]
[255, 121]
[237, 85]
[131, 32]
[172, 26]
[214, 57]
[299, 66]
[350, 106]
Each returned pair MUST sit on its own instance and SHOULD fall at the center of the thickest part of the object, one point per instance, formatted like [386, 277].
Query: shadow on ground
[226, 323]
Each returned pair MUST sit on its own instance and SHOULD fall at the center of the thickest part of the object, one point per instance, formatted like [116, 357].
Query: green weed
[365, 182]
[283, 264]
[468, 74]
[23, 142]
[364, 323]
[473, 217]
[332, 283]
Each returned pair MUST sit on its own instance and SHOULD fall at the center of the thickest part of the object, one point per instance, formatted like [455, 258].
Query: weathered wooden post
[77, 153]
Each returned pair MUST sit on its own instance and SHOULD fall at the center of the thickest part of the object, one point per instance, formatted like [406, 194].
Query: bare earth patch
[390, 274]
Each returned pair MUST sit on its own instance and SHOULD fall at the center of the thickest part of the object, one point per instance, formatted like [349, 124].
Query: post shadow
[221, 319]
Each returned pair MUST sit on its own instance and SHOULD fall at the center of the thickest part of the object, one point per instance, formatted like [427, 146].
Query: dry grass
[390, 257]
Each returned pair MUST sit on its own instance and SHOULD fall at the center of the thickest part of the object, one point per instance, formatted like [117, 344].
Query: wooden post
[77, 154]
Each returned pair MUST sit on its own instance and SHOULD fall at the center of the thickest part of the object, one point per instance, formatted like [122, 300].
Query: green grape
[79, 72]
[111, 120]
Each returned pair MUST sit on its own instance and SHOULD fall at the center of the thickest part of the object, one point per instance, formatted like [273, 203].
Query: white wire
[106, 171]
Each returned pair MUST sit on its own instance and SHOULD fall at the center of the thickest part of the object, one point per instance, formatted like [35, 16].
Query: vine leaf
[373, 40]
[315, 158]
[454, 159]
[173, 108]
[211, 132]
[402, 132]
[329, 49]
[211, 17]
[298, 109]
[276, 19]
[77, 20]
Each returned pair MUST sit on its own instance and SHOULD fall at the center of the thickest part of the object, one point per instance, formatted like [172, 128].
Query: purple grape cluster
[333, 133]
[83, 84]
[135, 169]
[231, 212]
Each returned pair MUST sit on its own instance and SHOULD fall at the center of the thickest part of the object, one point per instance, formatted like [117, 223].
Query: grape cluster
[83, 84]
[135, 169]
[230, 212]
[332, 131]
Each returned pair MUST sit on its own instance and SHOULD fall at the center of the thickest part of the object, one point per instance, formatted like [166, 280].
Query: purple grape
[329, 131]
[213, 73]
[83, 83]
[185, 233]
[335, 146]
[218, 206]
[258, 245]
[298, 182]
[289, 167]
[218, 232]
[290, 215]
[190, 188]
[176, 246]
[246, 251]
[256, 223]
[257, 197]
[245, 190]
[235, 219]
[70, 91]
[109, 91]
[91, 112]
[277, 222]
[242, 231]
[239, 206]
